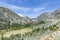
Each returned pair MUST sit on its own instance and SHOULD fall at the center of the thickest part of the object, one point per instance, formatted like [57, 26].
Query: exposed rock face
[49, 15]
[8, 17]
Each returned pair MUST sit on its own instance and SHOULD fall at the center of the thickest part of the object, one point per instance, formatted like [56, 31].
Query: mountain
[49, 15]
[56, 14]
[47, 18]
[8, 17]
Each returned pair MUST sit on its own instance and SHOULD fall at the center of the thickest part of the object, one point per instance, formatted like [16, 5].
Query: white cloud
[19, 8]
[38, 9]
[22, 9]
[14, 7]
[21, 15]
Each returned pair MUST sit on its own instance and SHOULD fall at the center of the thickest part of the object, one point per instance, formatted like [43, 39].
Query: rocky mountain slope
[8, 17]
[49, 15]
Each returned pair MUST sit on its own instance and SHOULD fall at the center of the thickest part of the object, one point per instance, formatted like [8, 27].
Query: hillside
[9, 18]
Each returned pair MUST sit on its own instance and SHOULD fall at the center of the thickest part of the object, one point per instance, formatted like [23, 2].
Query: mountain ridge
[8, 17]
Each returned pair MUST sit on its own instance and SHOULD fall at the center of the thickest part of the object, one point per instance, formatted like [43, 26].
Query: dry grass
[14, 32]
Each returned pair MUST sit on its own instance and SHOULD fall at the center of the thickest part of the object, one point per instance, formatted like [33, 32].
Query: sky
[30, 8]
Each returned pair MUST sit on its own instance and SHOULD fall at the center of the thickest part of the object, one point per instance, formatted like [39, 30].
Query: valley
[14, 27]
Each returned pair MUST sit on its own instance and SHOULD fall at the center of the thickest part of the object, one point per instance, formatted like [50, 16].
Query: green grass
[2, 32]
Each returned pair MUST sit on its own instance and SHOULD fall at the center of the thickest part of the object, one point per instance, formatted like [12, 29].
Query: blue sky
[30, 8]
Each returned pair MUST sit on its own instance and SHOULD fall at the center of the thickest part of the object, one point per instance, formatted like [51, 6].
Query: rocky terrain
[9, 18]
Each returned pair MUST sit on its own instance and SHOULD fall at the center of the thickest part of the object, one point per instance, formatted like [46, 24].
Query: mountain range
[8, 17]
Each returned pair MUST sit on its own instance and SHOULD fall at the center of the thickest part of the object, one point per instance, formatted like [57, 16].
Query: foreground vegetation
[34, 32]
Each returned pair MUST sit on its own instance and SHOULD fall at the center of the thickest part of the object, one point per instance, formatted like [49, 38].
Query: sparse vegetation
[41, 31]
